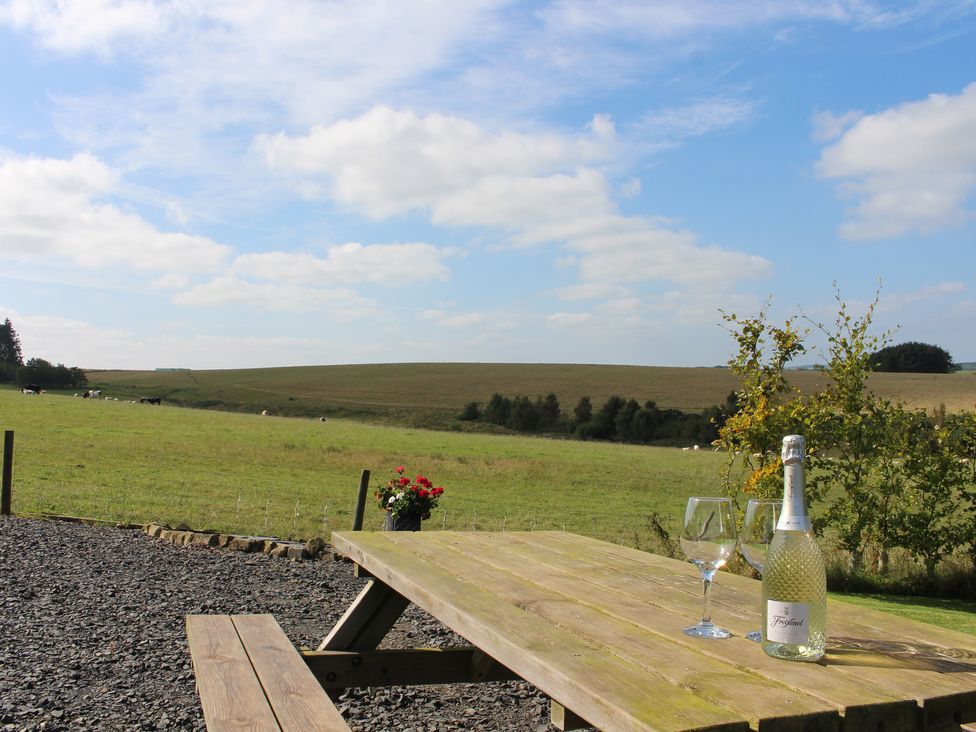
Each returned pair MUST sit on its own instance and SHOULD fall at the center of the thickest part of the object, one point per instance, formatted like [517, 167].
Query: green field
[433, 394]
[299, 477]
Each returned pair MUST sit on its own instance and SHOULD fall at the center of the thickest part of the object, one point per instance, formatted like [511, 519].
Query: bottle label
[787, 622]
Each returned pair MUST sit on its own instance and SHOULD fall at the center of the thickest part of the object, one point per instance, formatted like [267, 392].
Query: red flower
[400, 469]
[404, 481]
[423, 493]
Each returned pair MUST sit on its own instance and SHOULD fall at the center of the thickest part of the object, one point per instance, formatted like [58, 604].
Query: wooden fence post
[8, 471]
[357, 521]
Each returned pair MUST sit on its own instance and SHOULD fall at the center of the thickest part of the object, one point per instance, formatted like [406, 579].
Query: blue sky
[242, 184]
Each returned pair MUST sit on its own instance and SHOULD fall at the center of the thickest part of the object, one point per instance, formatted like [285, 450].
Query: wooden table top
[598, 628]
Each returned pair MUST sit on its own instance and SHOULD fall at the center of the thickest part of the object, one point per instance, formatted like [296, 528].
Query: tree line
[618, 419]
[34, 372]
[881, 476]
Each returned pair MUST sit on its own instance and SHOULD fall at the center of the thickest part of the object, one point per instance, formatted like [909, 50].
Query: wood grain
[609, 692]
[230, 693]
[558, 590]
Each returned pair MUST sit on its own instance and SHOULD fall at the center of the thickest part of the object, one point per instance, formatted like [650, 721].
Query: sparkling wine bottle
[794, 578]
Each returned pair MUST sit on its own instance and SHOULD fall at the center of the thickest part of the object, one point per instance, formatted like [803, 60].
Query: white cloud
[74, 26]
[223, 291]
[646, 252]
[897, 301]
[524, 203]
[569, 320]
[702, 117]
[55, 208]
[591, 291]
[663, 20]
[454, 320]
[387, 162]
[828, 126]
[349, 264]
[909, 168]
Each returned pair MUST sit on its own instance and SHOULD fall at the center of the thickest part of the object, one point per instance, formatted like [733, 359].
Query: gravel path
[92, 635]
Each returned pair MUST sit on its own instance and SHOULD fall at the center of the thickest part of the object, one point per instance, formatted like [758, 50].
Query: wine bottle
[794, 579]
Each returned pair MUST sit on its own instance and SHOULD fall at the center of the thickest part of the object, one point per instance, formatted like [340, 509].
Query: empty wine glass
[708, 540]
[757, 531]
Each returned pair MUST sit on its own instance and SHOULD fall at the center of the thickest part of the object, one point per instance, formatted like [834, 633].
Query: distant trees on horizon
[36, 371]
[913, 357]
[618, 419]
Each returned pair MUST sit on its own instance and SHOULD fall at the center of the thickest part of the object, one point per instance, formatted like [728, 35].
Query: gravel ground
[92, 634]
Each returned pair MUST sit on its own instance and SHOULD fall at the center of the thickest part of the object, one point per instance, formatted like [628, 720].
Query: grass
[298, 477]
[433, 394]
[955, 615]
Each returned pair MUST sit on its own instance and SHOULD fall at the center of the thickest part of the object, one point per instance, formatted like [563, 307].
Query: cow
[92, 394]
[151, 400]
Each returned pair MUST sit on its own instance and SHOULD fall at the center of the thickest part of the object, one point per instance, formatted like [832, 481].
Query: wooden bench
[250, 677]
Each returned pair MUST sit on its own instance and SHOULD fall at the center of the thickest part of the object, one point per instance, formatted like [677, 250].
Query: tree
[549, 412]
[524, 415]
[765, 404]
[583, 412]
[11, 357]
[499, 410]
[913, 357]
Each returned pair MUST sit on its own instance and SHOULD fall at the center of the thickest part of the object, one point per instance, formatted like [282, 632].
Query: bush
[913, 357]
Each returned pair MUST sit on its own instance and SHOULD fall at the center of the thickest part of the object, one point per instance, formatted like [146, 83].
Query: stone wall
[295, 550]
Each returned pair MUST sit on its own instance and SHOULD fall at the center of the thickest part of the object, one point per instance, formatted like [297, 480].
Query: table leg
[368, 619]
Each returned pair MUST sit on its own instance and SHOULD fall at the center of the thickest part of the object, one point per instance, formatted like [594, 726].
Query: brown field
[431, 393]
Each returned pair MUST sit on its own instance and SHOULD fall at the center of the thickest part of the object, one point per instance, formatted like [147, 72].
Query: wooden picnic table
[598, 628]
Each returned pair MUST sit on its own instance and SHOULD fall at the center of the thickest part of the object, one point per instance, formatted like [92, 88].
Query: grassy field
[433, 394]
[299, 477]
[952, 614]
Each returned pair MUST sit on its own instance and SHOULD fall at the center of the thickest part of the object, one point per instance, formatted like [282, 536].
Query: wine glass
[708, 540]
[757, 531]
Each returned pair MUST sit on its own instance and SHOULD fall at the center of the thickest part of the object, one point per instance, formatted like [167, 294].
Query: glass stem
[707, 576]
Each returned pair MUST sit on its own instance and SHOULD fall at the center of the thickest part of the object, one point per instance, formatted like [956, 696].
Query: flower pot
[402, 522]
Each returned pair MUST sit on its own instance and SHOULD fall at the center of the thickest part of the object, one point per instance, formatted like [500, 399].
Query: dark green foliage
[619, 419]
[525, 415]
[913, 357]
[549, 412]
[42, 373]
[11, 357]
[499, 409]
[583, 412]
[472, 412]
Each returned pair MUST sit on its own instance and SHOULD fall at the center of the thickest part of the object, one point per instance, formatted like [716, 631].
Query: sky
[250, 183]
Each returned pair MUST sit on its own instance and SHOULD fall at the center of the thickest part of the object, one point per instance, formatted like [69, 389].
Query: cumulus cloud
[56, 208]
[348, 264]
[538, 187]
[908, 168]
[228, 290]
[389, 161]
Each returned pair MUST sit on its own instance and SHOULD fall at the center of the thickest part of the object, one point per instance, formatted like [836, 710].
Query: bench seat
[250, 677]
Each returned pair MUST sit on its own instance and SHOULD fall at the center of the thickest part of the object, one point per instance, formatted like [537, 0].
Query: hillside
[432, 394]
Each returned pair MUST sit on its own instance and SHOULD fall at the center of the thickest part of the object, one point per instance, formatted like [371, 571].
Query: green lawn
[952, 614]
[298, 477]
